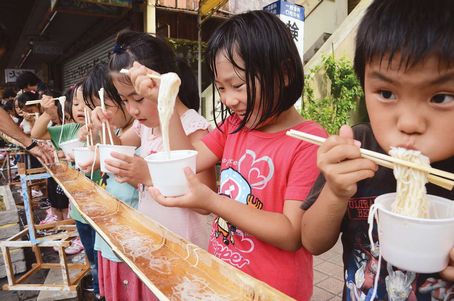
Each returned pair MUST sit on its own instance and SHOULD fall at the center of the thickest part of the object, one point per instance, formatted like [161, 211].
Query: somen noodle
[411, 195]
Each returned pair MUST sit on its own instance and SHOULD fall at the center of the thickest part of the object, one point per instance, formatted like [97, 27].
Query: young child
[146, 133]
[264, 173]
[121, 121]
[29, 112]
[405, 62]
[74, 117]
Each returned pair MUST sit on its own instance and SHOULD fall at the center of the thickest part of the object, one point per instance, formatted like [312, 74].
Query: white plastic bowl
[418, 245]
[69, 146]
[105, 151]
[168, 173]
[83, 155]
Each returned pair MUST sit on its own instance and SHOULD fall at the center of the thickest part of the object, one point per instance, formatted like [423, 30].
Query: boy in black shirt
[405, 62]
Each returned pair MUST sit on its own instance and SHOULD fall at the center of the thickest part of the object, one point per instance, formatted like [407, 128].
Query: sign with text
[293, 16]
[12, 74]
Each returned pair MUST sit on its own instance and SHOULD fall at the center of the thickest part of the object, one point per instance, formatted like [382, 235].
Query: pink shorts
[118, 282]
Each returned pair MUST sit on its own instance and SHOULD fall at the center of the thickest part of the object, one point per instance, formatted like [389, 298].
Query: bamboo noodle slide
[438, 177]
[171, 267]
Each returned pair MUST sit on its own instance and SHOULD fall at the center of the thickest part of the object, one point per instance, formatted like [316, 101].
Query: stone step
[18, 267]
[55, 277]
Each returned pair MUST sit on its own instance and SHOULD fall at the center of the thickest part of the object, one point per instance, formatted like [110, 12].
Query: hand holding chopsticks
[105, 123]
[438, 177]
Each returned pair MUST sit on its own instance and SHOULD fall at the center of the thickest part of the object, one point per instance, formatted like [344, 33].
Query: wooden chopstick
[153, 76]
[106, 123]
[90, 131]
[37, 101]
[87, 123]
[435, 176]
[33, 102]
[439, 181]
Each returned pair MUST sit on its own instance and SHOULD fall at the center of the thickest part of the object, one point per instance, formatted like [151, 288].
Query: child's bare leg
[58, 213]
[65, 213]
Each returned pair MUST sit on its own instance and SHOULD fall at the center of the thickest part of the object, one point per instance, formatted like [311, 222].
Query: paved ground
[328, 275]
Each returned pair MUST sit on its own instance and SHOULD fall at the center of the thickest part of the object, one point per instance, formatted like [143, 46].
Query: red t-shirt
[263, 170]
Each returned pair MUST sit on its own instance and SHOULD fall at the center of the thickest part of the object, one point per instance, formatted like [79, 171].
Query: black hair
[69, 93]
[265, 45]
[189, 91]
[26, 96]
[156, 54]
[99, 77]
[9, 106]
[27, 78]
[411, 29]
[9, 93]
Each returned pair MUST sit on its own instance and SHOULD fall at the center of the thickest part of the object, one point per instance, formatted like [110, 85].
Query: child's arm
[340, 161]
[278, 229]
[146, 87]
[207, 175]
[39, 130]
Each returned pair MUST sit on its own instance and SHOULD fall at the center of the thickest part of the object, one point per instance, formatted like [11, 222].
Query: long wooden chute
[173, 268]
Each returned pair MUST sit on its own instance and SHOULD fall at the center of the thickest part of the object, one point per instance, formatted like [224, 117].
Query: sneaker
[75, 247]
[50, 218]
[87, 283]
[36, 193]
[44, 204]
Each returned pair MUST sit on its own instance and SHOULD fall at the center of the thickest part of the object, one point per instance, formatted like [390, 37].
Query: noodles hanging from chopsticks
[411, 195]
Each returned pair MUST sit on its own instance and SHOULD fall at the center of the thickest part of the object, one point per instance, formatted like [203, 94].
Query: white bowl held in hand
[105, 151]
[168, 173]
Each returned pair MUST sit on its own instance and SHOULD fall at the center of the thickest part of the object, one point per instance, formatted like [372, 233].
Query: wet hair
[99, 77]
[265, 45]
[411, 29]
[156, 54]
[27, 78]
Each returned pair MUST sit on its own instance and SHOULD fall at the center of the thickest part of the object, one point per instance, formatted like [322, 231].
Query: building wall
[321, 22]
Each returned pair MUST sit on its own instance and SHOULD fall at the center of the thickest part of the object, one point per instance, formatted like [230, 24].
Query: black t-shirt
[360, 264]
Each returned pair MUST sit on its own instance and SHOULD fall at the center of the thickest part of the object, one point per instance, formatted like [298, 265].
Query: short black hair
[270, 55]
[99, 77]
[9, 93]
[27, 78]
[26, 96]
[412, 29]
[9, 106]
[156, 54]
